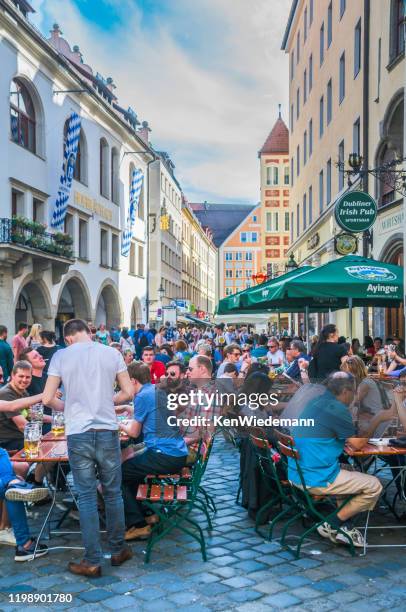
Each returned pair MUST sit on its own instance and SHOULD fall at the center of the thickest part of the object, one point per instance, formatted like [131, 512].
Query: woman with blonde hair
[371, 399]
[160, 337]
[34, 339]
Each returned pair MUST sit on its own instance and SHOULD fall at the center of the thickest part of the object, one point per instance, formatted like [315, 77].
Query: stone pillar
[7, 314]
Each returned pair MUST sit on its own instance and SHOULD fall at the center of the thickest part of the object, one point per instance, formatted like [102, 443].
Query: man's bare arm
[19, 404]
[126, 388]
[49, 396]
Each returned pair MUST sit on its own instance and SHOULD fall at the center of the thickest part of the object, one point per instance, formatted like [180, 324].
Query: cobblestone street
[243, 572]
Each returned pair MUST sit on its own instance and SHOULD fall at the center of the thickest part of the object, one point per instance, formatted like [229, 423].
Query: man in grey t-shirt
[88, 371]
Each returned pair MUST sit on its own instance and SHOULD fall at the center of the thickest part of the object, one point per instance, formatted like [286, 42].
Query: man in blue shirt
[6, 354]
[165, 453]
[320, 446]
[298, 351]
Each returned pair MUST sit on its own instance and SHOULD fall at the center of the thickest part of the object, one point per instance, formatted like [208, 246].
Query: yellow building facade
[342, 101]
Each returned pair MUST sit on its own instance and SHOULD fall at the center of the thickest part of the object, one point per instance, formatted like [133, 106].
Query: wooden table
[370, 450]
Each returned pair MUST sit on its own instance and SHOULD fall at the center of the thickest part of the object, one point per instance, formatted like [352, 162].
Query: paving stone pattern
[244, 572]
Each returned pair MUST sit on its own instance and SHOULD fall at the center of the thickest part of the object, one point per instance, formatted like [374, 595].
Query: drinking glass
[32, 436]
[58, 423]
[37, 413]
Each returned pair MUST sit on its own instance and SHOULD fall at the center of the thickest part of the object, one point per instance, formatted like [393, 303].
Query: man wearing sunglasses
[232, 354]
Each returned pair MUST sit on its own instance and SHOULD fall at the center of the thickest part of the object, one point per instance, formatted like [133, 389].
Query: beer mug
[58, 423]
[32, 436]
[37, 413]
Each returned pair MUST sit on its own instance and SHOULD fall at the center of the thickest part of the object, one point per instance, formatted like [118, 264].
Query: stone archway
[73, 303]
[33, 305]
[108, 306]
[136, 312]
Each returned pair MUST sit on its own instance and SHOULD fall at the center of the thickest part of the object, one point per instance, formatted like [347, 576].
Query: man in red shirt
[19, 343]
[157, 368]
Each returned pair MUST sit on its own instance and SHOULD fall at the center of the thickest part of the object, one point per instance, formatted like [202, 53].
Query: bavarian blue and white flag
[68, 168]
[135, 191]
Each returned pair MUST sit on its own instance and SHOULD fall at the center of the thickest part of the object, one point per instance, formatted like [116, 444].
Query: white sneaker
[7, 537]
[356, 537]
[326, 531]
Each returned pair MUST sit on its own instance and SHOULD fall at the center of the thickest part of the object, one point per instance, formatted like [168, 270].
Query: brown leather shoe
[138, 533]
[84, 568]
[152, 519]
[124, 555]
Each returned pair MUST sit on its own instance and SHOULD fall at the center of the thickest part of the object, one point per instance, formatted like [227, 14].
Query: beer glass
[37, 413]
[32, 436]
[58, 423]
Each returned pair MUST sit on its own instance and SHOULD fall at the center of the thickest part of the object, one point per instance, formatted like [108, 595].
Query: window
[228, 256]
[254, 237]
[298, 47]
[304, 212]
[304, 148]
[329, 24]
[82, 239]
[229, 291]
[310, 137]
[229, 274]
[254, 219]
[286, 175]
[243, 237]
[397, 35]
[292, 171]
[132, 263]
[291, 117]
[115, 257]
[80, 170]
[304, 86]
[272, 222]
[248, 273]
[238, 256]
[321, 191]
[114, 176]
[342, 7]
[248, 256]
[341, 165]
[305, 25]
[140, 208]
[286, 221]
[238, 274]
[342, 78]
[356, 137]
[68, 225]
[291, 226]
[22, 116]
[310, 12]
[297, 160]
[272, 175]
[292, 65]
[104, 247]
[310, 73]
[297, 103]
[297, 220]
[329, 101]
[328, 183]
[140, 270]
[38, 211]
[104, 168]
[310, 205]
[322, 44]
[357, 48]
[17, 203]
[321, 117]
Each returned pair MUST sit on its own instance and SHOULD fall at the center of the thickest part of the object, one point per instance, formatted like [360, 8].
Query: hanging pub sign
[355, 211]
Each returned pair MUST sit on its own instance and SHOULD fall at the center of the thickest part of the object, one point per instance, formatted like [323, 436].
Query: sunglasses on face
[236, 354]
[172, 373]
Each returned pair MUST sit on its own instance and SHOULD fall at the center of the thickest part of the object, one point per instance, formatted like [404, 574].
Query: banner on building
[135, 192]
[68, 168]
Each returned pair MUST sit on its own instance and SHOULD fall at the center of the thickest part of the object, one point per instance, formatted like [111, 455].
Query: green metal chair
[308, 504]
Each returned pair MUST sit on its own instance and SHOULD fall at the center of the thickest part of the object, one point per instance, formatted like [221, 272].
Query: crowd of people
[113, 387]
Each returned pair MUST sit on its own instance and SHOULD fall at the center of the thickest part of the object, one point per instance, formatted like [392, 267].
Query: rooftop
[221, 219]
[278, 139]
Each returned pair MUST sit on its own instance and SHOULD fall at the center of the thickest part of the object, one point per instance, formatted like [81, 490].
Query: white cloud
[207, 76]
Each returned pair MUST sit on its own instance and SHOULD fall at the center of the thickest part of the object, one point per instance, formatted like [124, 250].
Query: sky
[207, 75]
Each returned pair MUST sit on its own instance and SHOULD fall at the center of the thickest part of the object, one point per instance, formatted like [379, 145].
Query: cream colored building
[275, 216]
[341, 102]
[199, 265]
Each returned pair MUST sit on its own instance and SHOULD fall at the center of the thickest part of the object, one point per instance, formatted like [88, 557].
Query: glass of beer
[58, 423]
[32, 436]
[37, 413]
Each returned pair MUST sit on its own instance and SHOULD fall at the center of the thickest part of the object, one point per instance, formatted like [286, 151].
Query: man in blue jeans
[16, 492]
[88, 371]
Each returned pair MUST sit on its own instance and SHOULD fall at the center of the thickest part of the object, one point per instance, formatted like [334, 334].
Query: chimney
[144, 131]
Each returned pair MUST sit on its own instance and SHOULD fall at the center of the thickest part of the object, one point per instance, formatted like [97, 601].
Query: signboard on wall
[356, 211]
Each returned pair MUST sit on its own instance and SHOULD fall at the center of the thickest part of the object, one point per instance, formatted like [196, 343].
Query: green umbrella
[261, 296]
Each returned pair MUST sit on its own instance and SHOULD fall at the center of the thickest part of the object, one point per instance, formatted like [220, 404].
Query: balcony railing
[25, 233]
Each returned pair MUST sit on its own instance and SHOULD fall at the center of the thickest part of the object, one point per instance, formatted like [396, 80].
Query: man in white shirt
[88, 371]
[275, 355]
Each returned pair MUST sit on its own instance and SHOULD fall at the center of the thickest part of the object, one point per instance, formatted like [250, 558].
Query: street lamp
[161, 292]
[291, 265]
